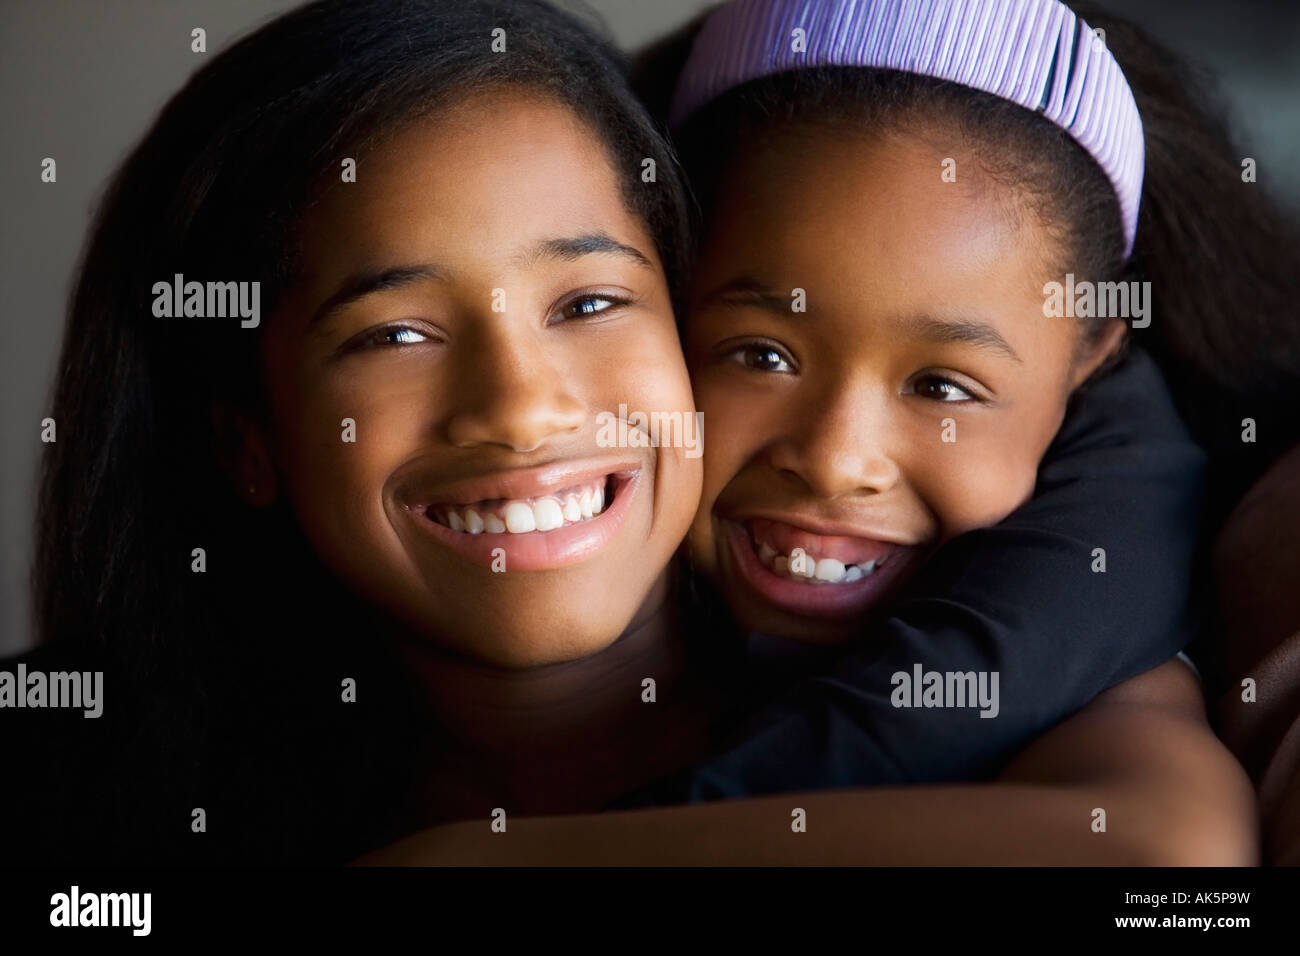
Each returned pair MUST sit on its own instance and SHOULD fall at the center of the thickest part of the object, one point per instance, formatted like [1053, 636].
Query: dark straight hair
[246, 659]
[1222, 256]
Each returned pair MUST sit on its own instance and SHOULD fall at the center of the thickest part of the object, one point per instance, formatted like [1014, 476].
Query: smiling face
[473, 302]
[910, 402]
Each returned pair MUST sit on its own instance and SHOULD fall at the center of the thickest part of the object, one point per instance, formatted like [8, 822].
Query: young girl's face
[868, 347]
[469, 305]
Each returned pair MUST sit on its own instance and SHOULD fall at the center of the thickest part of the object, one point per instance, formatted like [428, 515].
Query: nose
[509, 393]
[840, 443]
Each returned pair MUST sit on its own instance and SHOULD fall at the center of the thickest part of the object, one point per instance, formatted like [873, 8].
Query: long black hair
[1222, 256]
[226, 684]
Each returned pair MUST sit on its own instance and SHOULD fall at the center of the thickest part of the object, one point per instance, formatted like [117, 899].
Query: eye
[387, 336]
[398, 335]
[763, 357]
[591, 305]
[941, 389]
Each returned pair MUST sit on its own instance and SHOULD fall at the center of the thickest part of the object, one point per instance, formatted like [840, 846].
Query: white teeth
[828, 569]
[548, 515]
[806, 567]
[817, 570]
[520, 518]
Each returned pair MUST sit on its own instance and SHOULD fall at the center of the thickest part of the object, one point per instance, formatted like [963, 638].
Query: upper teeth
[520, 516]
[800, 565]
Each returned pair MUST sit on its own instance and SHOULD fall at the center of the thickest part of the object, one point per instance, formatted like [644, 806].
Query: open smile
[810, 574]
[536, 519]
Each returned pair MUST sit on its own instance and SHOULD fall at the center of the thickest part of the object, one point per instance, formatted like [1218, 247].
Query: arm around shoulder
[1142, 752]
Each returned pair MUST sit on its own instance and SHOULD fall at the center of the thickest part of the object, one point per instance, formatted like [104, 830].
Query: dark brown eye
[388, 336]
[762, 357]
[941, 389]
[590, 306]
[397, 335]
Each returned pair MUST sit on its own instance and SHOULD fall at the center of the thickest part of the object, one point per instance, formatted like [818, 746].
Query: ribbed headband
[1036, 53]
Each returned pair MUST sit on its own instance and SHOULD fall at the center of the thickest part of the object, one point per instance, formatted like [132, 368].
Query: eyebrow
[570, 249]
[566, 249]
[364, 283]
[751, 290]
[967, 331]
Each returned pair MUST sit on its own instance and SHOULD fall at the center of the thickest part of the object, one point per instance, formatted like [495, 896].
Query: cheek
[988, 472]
[339, 433]
[732, 439]
[649, 369]
[643, 369]
[734, 420]
[657, 380]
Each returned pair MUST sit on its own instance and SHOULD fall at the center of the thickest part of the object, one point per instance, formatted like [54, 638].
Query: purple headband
[1036, 53]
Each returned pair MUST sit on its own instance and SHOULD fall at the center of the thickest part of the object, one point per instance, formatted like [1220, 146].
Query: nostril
[520, 427]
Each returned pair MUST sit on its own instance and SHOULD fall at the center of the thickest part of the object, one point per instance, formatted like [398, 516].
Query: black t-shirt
[255, 763]
[1025, 599]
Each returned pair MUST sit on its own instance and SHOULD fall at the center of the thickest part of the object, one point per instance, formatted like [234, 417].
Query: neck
[560, 736]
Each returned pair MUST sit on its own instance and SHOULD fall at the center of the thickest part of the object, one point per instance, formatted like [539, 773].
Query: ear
[244, 450]
[1094, 353]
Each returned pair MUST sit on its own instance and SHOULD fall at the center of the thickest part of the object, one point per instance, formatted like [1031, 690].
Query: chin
[528, 651]
[822, 632]
[530, 640]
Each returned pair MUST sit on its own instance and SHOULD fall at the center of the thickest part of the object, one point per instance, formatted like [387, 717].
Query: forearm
[1171, 795]
[980, 824]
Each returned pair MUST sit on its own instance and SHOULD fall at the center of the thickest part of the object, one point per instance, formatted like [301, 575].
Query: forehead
[876, 209]
[497, 168]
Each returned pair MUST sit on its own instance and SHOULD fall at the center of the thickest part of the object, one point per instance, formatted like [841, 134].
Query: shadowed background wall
[81, 80]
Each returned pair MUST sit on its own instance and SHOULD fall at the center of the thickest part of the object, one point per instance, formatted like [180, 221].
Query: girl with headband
[853, 300]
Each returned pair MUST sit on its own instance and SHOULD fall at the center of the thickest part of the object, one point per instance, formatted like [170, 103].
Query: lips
[531, 519]
[799, 571]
